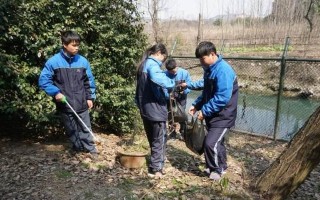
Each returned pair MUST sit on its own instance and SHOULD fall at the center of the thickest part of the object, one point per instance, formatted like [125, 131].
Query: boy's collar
[66, 55]
[219, 57]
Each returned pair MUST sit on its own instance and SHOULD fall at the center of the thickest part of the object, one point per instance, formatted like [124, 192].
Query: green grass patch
[100, 166]
[275, 48]
[88, 195]
[85, 165]
[63, 174]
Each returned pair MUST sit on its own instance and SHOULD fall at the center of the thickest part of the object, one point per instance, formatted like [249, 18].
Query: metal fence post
[280, 90]
[173, 47]
[222, 47]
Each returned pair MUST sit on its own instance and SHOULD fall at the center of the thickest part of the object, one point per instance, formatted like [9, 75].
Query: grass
[274, 48]
[63, 174]
[85, 165]
[101, 166]
[224, 183]
[88, 195]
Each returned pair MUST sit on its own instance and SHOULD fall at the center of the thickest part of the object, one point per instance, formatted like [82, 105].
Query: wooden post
[199, 37]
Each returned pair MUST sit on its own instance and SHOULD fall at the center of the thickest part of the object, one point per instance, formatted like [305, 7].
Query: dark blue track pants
[79, 136]
[157, 138]
[214, 149]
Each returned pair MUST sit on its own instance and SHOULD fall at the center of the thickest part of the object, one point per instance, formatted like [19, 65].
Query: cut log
[295, 163]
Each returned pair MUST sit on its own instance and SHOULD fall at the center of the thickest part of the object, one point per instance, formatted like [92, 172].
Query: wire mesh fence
[261, 96]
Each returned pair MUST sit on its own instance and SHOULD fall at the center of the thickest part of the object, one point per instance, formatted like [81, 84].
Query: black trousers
[79, 136]
[157, 138]
[215, 150]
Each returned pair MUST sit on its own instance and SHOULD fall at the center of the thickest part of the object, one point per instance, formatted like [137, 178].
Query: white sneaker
[155, 175]
[215, 176]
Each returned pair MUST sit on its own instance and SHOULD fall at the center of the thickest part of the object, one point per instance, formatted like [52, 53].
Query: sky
[190, 9]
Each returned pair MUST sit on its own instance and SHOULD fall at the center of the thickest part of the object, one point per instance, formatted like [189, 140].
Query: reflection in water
[256, 114]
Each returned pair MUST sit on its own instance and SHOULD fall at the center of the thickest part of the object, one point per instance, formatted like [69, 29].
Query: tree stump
[294, 165]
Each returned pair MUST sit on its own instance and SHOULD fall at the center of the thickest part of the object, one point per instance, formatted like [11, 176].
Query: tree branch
[307, 15]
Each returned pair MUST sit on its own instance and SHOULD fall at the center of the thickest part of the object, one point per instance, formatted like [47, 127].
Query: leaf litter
[49, 170]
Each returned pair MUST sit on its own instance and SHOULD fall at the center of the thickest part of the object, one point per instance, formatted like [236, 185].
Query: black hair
[205, 48]
[154, 49]
[69, 36]
[171, 64]
[151, 50]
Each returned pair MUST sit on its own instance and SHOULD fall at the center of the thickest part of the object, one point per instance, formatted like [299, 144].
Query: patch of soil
[48, 170]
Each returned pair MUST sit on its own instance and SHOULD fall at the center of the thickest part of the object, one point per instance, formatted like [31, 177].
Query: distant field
[260, 39]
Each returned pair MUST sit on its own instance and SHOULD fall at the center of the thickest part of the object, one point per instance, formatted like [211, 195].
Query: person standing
[179, 75]
[67, 76]
[152, 94]
[217, 105]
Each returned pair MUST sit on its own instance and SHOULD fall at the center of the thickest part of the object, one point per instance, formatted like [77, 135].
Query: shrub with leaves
[112, 41]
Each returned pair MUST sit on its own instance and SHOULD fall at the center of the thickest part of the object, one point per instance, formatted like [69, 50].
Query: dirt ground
[48, 170]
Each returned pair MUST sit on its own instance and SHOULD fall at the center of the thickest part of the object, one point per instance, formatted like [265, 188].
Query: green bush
[112, 40]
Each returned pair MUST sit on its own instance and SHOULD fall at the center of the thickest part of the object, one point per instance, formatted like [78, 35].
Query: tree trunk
[294, 164]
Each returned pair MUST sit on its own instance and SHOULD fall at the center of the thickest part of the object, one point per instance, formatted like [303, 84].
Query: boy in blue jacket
[179, 75]
[67, 75]
[217, 105]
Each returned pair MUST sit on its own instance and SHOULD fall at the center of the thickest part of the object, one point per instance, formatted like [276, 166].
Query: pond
[256, 114]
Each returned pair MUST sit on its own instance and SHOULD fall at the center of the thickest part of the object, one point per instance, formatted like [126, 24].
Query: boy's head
[71, 42]
[171, 66]
[207, 53]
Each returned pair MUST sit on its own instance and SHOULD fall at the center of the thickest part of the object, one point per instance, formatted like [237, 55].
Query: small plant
[201, 167]
[224, 183]
[177, 182]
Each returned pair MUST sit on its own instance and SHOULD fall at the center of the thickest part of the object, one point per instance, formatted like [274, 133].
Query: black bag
[179, 114]
[195, 136]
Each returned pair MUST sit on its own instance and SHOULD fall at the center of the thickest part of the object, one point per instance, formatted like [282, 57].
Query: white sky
[190, 9]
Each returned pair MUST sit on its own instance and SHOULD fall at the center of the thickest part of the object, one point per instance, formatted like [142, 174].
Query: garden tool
[64, 100]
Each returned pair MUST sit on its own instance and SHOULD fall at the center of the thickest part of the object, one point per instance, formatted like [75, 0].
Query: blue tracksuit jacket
[219, 98]
[180, 76]
[70, 76]
[152, 91]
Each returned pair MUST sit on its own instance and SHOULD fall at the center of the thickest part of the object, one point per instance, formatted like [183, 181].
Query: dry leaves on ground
[48, 170]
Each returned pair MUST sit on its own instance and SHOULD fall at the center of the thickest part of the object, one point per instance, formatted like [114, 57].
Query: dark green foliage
[217, 22]
[112, 41]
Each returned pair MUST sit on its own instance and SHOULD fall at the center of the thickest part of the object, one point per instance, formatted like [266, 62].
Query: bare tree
[309, 15]
[154, 7]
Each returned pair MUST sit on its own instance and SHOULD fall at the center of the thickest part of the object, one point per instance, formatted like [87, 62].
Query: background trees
[112, 40]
